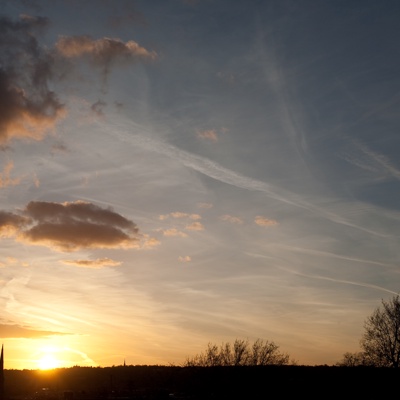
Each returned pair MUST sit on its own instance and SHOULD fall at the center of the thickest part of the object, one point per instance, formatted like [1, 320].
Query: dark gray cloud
[28, 108]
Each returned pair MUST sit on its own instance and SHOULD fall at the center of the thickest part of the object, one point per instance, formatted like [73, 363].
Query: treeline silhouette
[169, 382]
[240, 353]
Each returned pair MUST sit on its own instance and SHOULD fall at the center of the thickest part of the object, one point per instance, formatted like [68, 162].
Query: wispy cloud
[5, 178]
[178, 214]
[98, 263]
[262, 221]
[373, 161]
[195, 226]
[346, 282]
[210, 134]
[231, 218]
[18, 331]
[206, 206]
[174, 232]
[214, 170]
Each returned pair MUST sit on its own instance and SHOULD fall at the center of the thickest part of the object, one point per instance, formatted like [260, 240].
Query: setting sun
[48, 358]
[48, 361]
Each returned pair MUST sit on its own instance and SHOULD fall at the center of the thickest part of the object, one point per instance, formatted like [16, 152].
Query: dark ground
[168, 382]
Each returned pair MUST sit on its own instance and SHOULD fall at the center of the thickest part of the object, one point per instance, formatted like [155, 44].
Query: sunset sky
[179, 172]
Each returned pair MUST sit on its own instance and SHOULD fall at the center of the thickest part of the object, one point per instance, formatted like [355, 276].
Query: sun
[48, 361]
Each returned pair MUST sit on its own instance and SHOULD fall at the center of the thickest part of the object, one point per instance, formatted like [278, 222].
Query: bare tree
[357, 359]
[266, 353]
[239, 354]
[226, 354]
[381, 340]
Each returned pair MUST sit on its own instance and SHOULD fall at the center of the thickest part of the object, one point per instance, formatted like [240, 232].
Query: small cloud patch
[195, 226]
[262, 221]
[231, 219]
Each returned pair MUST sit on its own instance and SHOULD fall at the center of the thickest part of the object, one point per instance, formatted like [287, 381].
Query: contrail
[346, 282]
[214, 170]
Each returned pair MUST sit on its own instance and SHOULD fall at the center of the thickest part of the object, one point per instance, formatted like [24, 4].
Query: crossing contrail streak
[138, 136]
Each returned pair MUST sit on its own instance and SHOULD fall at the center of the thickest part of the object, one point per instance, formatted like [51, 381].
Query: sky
[175, 173]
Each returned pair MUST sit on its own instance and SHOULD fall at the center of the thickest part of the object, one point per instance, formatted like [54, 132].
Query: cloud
[372, 161]
[184, 215]
[99, 263]
[36, 180]
[205, 205]
[212, 169]
[11, 223]
[59, 148]
[232, 219]
[71, 226]
[97, 108]
[178, 214]
[262, 221]
[210, 134]
[28, 108]
[184, 259]
[149, 242]
[102, 52]
[5, 179]
[17, 331]
[195, 226]
[174, 232]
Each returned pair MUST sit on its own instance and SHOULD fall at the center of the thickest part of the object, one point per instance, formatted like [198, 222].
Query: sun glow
[48, 359]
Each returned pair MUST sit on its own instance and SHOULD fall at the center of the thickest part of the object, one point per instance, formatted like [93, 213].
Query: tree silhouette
[356, 359]
[240, 353]
[381, 339]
